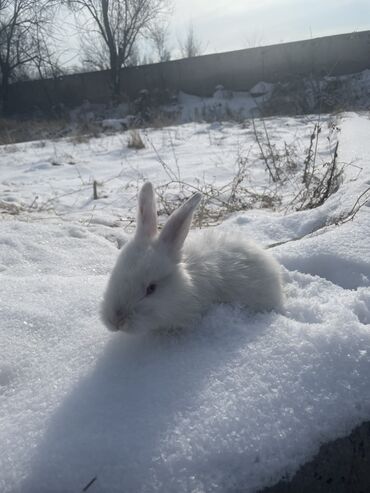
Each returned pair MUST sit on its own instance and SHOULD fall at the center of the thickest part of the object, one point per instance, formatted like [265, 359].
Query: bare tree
[46, 63]
[119, 24]
[191, 45]
[254, 40]
[94, 51]
[159, 38]
[21, 25]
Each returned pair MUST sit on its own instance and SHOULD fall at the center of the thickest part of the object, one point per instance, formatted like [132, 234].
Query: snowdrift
[232, 404]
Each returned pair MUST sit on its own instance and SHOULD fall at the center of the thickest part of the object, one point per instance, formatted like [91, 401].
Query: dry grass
[83, 132]
[315, 183]
[218, 201]
[13, 131]
[161, 120]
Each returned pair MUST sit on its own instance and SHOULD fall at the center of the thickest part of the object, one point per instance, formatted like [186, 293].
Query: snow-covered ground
[58, 176]
[233, 404]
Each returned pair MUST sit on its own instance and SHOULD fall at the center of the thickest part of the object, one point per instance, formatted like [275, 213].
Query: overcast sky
[232, 24]
[223, 25]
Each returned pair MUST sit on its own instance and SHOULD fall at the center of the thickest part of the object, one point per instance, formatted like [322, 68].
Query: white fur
[210, 267]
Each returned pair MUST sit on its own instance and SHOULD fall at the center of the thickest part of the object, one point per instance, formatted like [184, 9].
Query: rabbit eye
[150, 289]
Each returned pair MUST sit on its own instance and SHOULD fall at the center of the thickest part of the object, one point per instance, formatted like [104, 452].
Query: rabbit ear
[146, 212]
[177, 227]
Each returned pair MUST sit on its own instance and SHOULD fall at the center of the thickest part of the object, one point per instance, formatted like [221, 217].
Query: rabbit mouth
[123, 325]
[117, 325]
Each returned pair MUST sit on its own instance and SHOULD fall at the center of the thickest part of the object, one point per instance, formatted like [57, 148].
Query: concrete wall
[236, 70]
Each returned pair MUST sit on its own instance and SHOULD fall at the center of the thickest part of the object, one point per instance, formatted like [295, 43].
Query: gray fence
[236, 70]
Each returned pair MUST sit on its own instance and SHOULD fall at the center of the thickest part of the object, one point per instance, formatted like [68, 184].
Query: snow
[235, 403]
[221, 104]
[58, 176]
[115, 123]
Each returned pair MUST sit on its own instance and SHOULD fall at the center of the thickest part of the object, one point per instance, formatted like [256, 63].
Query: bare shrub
[319, 188]
[84, 131]
[218, 201]
[319, 180]
[80, 138]
[164, 119]
[315, 181]
[150, 106]
[269, 153]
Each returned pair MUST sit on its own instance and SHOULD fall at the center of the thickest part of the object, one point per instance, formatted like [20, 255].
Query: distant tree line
[110, 32]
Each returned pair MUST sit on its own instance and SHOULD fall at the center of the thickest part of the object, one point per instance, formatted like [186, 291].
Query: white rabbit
[159, 282]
